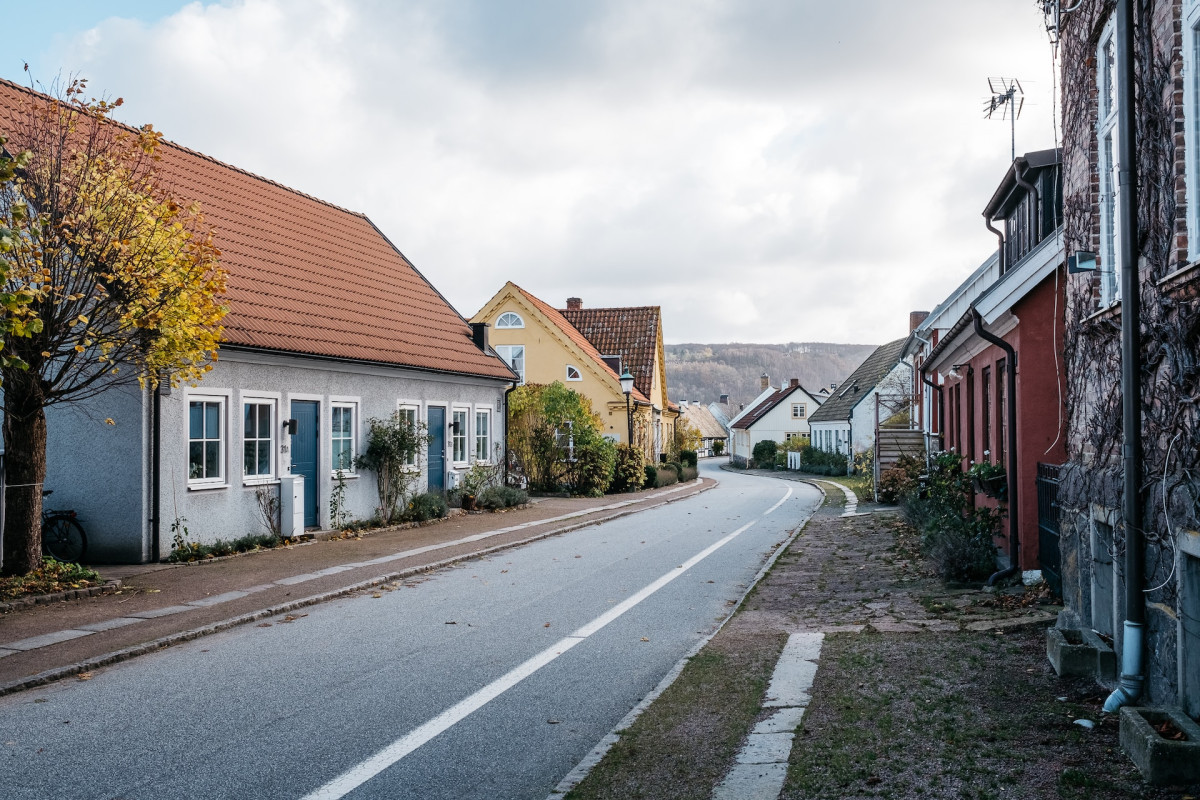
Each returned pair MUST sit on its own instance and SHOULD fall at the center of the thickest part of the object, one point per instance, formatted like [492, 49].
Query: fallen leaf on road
[579, 556]
[553, 721]
[85, 676]
[292, 618]
[547, 625]
[376, 594]
[451, 622]
[264, 624]
[644, 639]
[503, 571]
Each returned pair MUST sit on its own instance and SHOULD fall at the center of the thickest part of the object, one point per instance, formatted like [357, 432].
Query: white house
[878, 388]
[779, 415]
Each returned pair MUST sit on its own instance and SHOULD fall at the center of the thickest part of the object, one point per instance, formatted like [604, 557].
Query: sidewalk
[163, 604]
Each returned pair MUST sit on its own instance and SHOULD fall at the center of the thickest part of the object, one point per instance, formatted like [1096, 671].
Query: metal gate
[1049, 553]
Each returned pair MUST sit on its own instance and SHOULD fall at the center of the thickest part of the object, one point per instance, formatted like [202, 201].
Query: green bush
[430, 505]
[689, 474]
[688, 458]
[495, 497]
[391, 445]
[591, 473]
[651, 476]
[718, 447]
[899, 480]
[556, 442]
[629, 470]
[667, 474]
[819, 462]
[764, 453]
[781, 460]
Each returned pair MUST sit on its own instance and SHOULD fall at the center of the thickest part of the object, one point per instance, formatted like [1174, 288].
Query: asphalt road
[488, 680]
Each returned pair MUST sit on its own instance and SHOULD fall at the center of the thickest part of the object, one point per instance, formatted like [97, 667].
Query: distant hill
[704, 372]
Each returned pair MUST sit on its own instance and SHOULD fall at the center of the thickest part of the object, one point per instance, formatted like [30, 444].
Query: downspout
[1133, 671]
[1011, 468]
[507, 392]
[156, 476]
[941, 410]
[987, 220]
[1019, 173]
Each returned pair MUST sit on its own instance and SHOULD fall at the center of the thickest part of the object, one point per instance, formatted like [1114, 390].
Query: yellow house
[587, 350]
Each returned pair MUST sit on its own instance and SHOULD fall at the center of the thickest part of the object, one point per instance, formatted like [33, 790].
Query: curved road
[492, 679]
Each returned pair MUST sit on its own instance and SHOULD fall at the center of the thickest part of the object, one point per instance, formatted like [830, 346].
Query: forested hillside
[704, 372]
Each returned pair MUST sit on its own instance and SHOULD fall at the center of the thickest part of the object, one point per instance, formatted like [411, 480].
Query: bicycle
[62, 535]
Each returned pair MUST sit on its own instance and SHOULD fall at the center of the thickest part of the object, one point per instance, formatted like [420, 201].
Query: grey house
[329, 326]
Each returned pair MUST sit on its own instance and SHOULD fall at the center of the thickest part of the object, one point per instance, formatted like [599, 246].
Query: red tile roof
[306, 276]
[631, 333]
[557, 317]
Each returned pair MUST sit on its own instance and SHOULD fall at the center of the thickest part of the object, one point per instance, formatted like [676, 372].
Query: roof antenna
[1008, 98]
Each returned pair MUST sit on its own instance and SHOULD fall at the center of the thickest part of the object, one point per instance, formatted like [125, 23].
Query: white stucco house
[779, 415]
[878, 388]
[329, 325]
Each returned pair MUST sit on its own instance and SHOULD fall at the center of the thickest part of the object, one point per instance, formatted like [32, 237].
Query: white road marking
[356, 776]
[777, 505]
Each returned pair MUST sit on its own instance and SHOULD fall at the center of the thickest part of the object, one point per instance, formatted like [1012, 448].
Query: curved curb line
[589, 762]
[117, 656]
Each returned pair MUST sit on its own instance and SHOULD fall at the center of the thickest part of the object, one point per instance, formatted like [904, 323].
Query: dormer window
[510, 319]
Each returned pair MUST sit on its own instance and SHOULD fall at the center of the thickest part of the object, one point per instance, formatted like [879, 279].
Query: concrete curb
[117, 656]
[107, 587]
[597, 754]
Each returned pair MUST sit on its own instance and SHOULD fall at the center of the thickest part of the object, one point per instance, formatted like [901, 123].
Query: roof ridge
[171, 143]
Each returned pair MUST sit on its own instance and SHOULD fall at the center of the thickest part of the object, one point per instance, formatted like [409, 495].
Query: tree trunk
[24, 474]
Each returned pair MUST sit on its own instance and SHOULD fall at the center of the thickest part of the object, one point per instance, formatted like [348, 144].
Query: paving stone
[161, 612]
[752, 782]
[109, 624]
[784, 720]
[5, 652]
[217, 599]
[766, 748]
[790, 684]
[895, 627]
[46, 639]
[294, 579]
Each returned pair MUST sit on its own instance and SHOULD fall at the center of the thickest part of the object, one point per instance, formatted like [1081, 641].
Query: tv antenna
[1008, 98]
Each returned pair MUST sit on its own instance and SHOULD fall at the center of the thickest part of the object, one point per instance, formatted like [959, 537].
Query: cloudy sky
[764, 170]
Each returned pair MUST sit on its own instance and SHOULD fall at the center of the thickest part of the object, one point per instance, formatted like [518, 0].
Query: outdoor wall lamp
[627, 389]
[290, 426]
[454, 427]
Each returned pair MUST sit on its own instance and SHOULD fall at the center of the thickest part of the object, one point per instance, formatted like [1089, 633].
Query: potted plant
[988, 478]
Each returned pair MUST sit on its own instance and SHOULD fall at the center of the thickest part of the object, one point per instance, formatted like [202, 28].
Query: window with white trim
[342, 440]
[1108, 141]
[258, 439]
[510, 319]
[483, 434]
[1191, 117]
[798, 410]
[206, 440]
[458, 435]
[408, 416]
[514, 356]
[573, 373]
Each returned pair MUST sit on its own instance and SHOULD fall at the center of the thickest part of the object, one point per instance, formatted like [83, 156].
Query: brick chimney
[574, 304]
[479, 335]
[915, 318]
[724, 399]
[765, 382]
[793, 383]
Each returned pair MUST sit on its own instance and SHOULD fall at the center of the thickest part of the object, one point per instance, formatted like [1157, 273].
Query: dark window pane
[212, 453]
[264, 457]
[196, 460]
[196, 421]
[249, 464]
[212, 420]
[249, 422]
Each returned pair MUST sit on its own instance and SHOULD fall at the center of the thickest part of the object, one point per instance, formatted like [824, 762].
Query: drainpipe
[941, 407]
[1011, 467]
[1133, 672]
[1022, 167]
[507, 392]
[987, 220]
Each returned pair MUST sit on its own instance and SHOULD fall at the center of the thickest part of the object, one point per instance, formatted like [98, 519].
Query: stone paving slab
[752, 782]
[46, 640]
[224, 597]
[109, 624]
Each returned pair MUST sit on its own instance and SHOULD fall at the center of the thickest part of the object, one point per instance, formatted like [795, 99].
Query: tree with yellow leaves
[108, 280]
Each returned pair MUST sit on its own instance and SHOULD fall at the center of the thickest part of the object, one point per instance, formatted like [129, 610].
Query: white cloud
[770, 170]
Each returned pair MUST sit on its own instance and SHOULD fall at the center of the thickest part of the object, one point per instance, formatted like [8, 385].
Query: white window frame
[271, 400]
[802, 408]
[578, 374]
[402, 408]
[483, 437]
[508, 352]
[1108, 148]
[464, 431]
[520, 323]
[351, 404]
[1191, 118]
[221, 399]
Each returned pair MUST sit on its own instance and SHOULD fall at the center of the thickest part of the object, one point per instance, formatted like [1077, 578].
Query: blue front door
[305, 456]
[437, 449]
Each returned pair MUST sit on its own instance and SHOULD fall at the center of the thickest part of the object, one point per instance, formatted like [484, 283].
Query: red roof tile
[306, 276]
[631, 333]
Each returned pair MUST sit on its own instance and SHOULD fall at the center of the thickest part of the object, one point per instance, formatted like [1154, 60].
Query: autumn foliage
[108, 279]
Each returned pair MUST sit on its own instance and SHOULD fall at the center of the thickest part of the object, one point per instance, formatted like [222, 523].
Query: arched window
[510, 319]
[573, 373]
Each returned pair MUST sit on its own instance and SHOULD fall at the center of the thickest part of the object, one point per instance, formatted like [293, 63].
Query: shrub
[629, 470]
[689, 474]
[495, 497]
[430, 505]
[688, 458]
[651, 476]
[667, 475]
[391, 445]
[781, 460]
[899, 480]
[820, 462]
[764, 453]
[718, 447]
[591, 472]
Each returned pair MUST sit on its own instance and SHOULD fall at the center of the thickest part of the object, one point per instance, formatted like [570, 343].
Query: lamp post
[627, 388]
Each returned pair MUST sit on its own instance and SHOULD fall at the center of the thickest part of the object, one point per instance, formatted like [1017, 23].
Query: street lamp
[627, 388]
